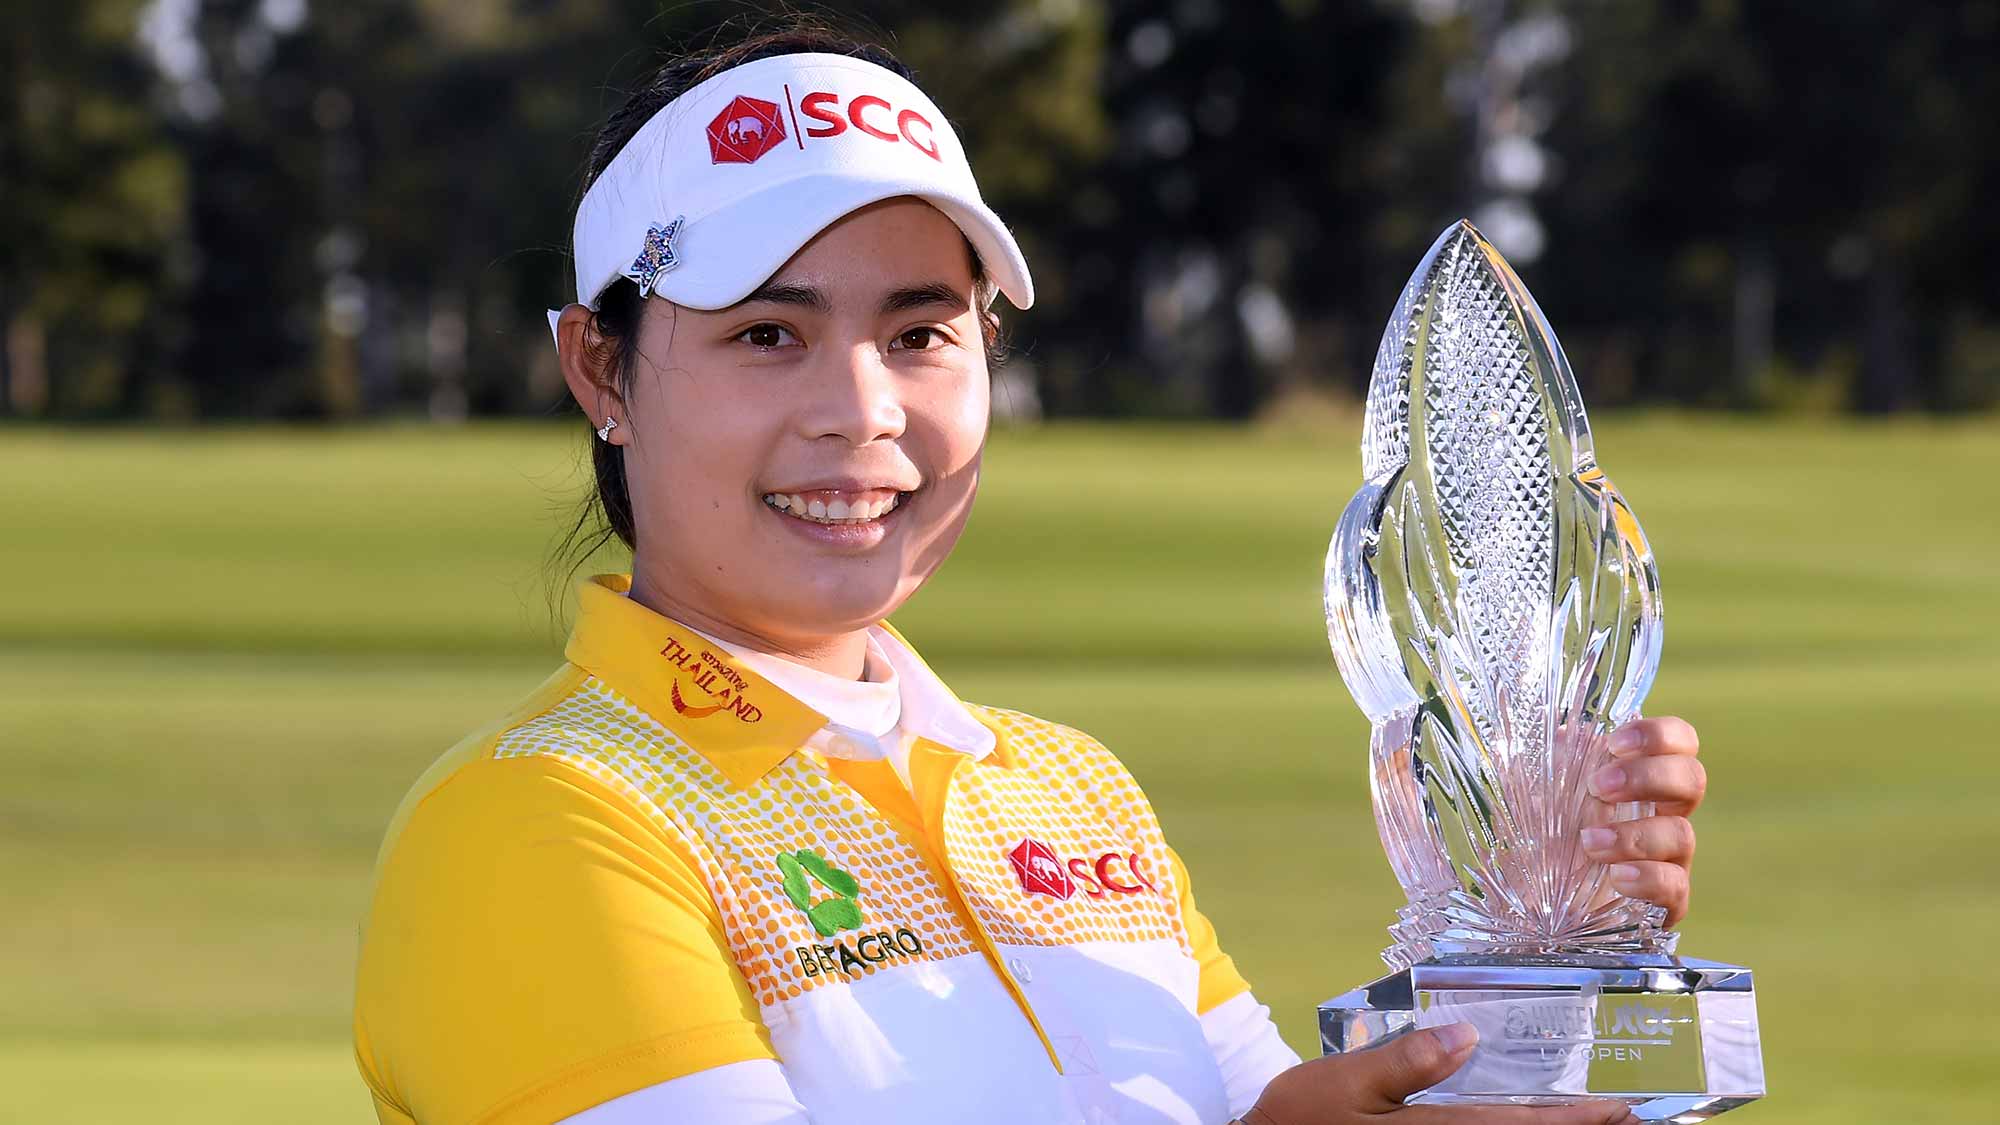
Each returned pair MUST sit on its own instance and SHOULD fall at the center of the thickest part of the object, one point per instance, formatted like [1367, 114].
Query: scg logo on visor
[749, 127]
[746, 129]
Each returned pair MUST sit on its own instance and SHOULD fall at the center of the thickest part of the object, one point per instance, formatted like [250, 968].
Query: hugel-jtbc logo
[1042, 872]
[748, 127]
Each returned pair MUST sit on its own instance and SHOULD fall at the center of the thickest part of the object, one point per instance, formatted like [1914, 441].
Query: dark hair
[608, 513]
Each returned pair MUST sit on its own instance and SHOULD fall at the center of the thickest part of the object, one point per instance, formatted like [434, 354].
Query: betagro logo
[798, 871]
[841, 912]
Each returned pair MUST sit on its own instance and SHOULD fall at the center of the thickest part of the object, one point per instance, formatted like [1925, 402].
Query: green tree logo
[832, 915]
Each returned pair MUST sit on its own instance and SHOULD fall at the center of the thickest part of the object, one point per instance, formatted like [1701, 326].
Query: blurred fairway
[225, 654]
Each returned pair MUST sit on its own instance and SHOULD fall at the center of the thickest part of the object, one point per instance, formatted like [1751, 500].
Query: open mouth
[832, 506]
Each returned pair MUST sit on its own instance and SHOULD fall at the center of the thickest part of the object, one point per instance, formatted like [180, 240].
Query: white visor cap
[727, 181]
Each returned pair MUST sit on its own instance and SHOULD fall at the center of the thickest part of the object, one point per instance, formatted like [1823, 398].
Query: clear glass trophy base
[1673, 1037]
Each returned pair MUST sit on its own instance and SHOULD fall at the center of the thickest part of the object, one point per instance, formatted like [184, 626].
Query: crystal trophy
[1495, 610]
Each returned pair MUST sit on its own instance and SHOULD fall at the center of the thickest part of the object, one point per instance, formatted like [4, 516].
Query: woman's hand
[1351, 1088]
[1652, 760]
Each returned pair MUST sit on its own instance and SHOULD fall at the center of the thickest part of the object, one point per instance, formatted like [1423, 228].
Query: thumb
[1414, 1061]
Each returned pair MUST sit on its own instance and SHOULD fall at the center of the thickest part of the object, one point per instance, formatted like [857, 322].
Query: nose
[854, 396]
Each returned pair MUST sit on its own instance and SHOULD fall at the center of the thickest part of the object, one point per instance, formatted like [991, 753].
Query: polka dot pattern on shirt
[1064, 790]
[734, 836]
[1068, 792]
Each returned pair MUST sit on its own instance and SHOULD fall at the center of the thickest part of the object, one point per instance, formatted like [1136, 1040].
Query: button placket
[934, 832]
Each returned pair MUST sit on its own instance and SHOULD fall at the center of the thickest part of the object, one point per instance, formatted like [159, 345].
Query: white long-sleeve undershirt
[1239, 1031]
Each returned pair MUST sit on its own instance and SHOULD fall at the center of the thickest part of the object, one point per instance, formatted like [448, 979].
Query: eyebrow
[924, 296]
[896, 300]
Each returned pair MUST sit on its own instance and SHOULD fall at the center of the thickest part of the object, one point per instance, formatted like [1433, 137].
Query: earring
[604, 431]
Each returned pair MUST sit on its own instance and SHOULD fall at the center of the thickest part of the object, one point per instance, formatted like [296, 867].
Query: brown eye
[916, 339]
[763, 336]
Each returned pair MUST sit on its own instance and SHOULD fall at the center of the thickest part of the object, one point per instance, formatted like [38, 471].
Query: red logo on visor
[1040, 871]
[745, 130]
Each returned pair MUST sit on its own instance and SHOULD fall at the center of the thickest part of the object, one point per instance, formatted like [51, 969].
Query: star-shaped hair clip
[658, 257]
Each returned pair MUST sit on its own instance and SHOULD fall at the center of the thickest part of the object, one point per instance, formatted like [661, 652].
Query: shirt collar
[871, 706]
[930, 709]
[740, 720]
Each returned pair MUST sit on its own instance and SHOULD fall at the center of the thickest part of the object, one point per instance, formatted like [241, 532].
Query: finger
[1414, 1061]
[1669, 839]
[1664, 883]
[1662, 734]
[1677, 783]
[1600, 1111]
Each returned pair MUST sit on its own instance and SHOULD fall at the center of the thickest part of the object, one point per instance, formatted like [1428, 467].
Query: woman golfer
[744, 857]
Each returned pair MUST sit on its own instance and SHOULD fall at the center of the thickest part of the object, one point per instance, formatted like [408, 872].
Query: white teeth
[839, 511]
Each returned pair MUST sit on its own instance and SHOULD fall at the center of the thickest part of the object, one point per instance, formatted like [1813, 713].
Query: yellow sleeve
[1219, 979]
[536, 946]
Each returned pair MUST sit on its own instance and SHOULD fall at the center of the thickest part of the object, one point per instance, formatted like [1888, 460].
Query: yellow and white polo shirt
[652, 867]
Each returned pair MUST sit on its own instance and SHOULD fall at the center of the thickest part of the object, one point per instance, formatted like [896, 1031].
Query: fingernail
[1607, 781]
[1624, 875]
[1596, 839]
[1625, 740]
[1456, 1037]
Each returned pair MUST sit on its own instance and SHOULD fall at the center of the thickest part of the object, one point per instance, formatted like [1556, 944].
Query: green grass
[224, 655]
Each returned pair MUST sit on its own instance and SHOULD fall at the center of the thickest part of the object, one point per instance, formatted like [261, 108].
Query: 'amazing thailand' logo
[712, 685]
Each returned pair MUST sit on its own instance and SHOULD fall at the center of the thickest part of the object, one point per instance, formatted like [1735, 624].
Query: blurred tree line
[298, 208]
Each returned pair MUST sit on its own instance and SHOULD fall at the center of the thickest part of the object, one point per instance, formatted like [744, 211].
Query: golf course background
[225, 653]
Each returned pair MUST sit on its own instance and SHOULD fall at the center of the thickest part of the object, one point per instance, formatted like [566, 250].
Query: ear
[586, 368]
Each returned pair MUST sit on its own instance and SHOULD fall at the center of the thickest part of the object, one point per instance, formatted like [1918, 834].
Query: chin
[833, 605]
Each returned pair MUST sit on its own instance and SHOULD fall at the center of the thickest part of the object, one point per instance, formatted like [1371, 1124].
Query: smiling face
[801, 462]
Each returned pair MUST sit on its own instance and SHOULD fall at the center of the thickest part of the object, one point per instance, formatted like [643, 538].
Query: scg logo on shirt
[1042, 872]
